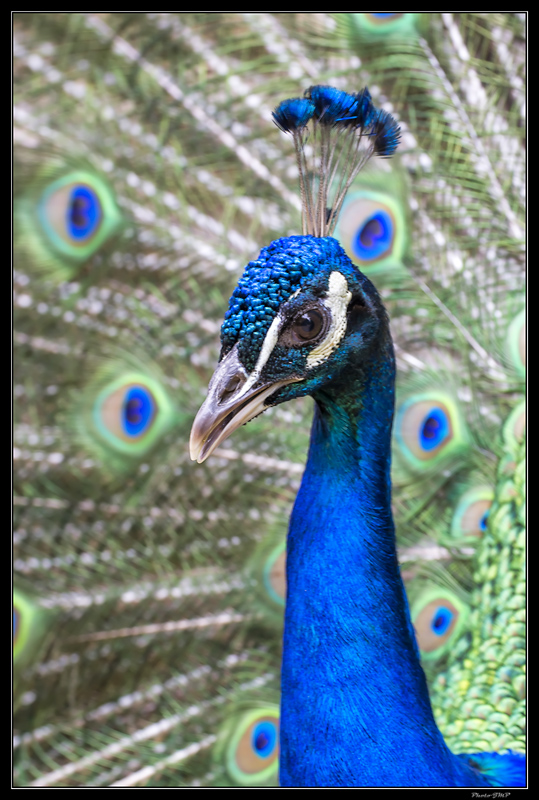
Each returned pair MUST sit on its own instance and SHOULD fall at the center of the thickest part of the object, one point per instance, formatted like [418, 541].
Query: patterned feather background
[148, 590]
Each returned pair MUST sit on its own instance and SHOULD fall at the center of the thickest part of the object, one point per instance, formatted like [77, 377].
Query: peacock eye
[307, 325]
[438, 617]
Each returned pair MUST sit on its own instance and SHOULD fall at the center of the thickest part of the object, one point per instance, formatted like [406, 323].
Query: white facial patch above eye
[336, 301]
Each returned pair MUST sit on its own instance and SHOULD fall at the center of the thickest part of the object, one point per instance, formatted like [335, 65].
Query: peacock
[149, 591]
[303, 320]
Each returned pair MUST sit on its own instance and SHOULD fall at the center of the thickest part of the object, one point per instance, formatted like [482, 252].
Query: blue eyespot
[15, 624]
[74, 217]
[438, 616]
[264, 738]
[384, 16]
[434, 430]
[128, 414]
[249, 746]
[83, 212]
[374, 237]
[441, 620]
[138, 410]
[470, 517]
[429, 428]
[372, 226]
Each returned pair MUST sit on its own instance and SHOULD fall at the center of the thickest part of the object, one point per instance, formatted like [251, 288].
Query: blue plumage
[293, 114]
[303, 320]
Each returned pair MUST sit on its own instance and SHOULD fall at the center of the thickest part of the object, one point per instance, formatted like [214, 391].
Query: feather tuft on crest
[343, 130]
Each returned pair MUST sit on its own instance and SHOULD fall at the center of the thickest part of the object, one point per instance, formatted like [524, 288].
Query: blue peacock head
[302, 314]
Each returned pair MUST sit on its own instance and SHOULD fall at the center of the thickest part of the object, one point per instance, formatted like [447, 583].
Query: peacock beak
[233, 399]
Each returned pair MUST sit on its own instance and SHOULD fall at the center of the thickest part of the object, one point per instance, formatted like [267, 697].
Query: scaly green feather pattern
[481, 696]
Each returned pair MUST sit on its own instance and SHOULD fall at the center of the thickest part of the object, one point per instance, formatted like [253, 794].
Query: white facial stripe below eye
[337, 300]
[267, 348]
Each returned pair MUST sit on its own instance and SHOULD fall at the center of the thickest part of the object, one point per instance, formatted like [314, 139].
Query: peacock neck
[354, 695]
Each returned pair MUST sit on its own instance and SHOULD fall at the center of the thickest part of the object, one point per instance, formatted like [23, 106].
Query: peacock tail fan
[149, 594]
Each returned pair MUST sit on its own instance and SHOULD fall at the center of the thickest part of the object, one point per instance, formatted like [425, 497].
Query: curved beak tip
[222, 413]
[196, 441]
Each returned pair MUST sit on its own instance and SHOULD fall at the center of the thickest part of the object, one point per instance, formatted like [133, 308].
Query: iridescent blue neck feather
[354, 696]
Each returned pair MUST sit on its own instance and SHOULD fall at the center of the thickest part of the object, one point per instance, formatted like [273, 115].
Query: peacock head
[302, 315]
[300, 320]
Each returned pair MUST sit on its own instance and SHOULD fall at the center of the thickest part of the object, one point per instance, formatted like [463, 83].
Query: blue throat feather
[303, 320]
[351, 678]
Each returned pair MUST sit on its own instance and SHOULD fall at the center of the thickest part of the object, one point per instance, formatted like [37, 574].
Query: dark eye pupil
[308, 325]
[370, 232]
[261, 741]
[79, 211]
[133, 410]
[431, 427]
